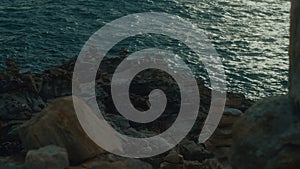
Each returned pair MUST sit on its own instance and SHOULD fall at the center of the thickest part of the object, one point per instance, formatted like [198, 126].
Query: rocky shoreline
[39, 128]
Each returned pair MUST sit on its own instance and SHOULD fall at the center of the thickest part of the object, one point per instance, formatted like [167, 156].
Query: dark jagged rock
[56, 83]
[11, 163]
[193, 152]
[193, 165]
[174, 157]
[22, 95]
[11, 68]
[166, 165]
[9, 141]
[19, 101]
[108, 162]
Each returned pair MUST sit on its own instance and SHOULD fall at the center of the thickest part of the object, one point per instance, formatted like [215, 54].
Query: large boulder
[267, 136]
[58, 125]
[49, 157]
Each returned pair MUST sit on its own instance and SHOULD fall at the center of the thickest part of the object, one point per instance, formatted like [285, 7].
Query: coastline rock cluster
[39, 128]
[38, 121]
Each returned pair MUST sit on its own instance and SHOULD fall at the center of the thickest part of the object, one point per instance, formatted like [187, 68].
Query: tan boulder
[58, 125]
[49, 157]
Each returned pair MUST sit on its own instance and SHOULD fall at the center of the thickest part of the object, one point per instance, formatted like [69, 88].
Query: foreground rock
[10, 163]
[267, 136]
[221, 141]
[23, 96]
[172, 161]
[294, 54]
[19, 105]
[109, 162]
[58, 125]
[49, 157]
[193, 152]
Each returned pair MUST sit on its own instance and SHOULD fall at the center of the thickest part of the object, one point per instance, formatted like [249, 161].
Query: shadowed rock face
[267, 136]
[294, 53]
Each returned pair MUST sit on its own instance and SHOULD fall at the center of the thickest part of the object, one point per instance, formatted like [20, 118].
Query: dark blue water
[251, 36]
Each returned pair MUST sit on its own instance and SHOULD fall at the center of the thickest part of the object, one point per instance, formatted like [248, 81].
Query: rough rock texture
[267, 136]
[19, 105]
[9, 139]
[174, 157]
[193, 165]
[10, 163]
[24, 96]
[213, 164]
[19, 101]
[172, 161]
[61, 86]
[166, 165]
[294, 53]
[221, 141]
[49, 157]
[58, 125]
[110, 162]
[193, 152]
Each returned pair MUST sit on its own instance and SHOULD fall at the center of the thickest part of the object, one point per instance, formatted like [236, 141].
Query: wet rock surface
[35, 113]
